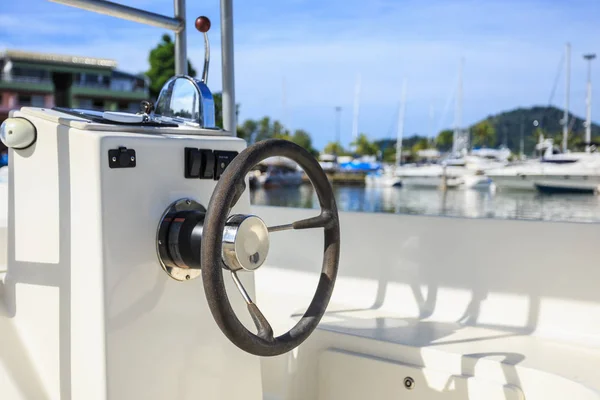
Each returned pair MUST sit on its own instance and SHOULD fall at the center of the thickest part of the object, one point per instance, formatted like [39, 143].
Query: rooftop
[58, 59]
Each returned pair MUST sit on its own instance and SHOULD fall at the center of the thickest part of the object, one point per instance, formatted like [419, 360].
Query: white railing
[110, 87]
[24, 79]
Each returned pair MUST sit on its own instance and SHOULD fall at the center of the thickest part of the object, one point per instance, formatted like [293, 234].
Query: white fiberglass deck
[470, 309]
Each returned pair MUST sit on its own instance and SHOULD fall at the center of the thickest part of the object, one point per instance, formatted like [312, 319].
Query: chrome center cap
[245, 242]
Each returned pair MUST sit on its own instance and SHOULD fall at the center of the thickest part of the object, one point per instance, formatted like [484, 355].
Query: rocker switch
[207, 165]
[193, 162]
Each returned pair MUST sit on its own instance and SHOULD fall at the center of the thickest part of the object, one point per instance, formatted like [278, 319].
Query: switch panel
[222, 160]
[206, 164]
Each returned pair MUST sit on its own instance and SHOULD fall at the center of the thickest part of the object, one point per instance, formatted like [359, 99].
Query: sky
[513, 53]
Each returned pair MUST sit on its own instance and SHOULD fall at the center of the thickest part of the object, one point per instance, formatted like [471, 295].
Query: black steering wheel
[230, 187]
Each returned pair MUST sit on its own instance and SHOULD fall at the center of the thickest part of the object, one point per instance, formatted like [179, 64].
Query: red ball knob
[203, 24]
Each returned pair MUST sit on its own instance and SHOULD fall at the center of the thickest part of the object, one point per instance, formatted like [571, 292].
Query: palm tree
[364, 147]
[484, 134]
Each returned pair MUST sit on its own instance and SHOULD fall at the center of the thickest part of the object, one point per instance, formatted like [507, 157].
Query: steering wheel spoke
[320, 221]
[241, 288]
[263, 327]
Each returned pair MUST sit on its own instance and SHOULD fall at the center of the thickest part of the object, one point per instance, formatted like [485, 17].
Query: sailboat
[556, 171]
[461, 169]
[387, 176]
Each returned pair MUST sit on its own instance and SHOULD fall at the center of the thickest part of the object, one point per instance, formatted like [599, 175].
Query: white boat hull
[477, 182]
[513, 183]
[582, 172]
[437, 176]
[582, 182]
[280, 180]
[382, 181]
[270, 180]
[431, 182]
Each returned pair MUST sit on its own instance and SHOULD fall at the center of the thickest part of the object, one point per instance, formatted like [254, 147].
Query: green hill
[507, 127]
[503, 129]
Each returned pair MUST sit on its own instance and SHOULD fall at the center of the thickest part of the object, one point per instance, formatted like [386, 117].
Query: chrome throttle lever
[203, 25]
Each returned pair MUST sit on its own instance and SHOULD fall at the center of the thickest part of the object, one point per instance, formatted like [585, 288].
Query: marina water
[528, 205]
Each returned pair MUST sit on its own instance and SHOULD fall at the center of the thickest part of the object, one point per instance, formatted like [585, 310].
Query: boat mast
[588, 102]
[567, 93]
[284, 116]
[356, 111]
[430, 128]
[458, 107]
[338, 140]
[400, 133]
[521, 137]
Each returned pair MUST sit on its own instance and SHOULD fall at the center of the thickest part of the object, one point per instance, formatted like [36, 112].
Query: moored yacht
[557, 171]
[554, 171]
[275, 172]
[384, 177]
[467, 171]
[328, 162]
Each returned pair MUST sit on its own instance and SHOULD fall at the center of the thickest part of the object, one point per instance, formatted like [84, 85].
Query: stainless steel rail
[175, 24]
[126, 12]
[229, 114]
[181, 65]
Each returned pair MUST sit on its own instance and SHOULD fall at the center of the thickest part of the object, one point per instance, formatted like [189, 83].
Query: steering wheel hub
[245, 242]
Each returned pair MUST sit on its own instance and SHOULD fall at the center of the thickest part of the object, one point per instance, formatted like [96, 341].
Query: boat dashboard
[103, 117]
[92, 120]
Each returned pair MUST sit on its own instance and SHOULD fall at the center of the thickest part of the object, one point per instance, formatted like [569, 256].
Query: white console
[94, 311]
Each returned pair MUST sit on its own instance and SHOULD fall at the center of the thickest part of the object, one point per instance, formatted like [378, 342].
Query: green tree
[484, 134]
[334, 148]
[218, 99]
[444, 139]
[389, 155]
[574, 141]
[302, 138]
[248, 130]
[162, 65]
[263, 129]
[421, 144]
[278, 131]
[364, 147]
[538, 132]
[255, 131]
